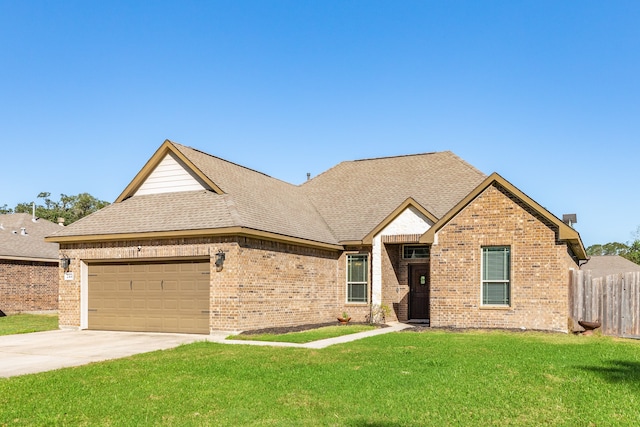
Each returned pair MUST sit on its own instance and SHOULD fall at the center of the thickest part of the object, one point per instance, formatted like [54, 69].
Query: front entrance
[418, 291]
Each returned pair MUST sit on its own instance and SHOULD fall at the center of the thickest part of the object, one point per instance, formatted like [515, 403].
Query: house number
[423, 280]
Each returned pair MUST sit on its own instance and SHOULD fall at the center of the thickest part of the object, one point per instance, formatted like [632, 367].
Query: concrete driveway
[45, 351]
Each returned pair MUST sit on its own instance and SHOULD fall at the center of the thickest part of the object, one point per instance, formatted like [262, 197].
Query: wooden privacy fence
[613, 300]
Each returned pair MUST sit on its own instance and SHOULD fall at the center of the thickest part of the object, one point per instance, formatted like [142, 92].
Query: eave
[26, 258]
[212, 232]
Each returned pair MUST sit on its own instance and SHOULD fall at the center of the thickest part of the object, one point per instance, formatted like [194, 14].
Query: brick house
[196, 243]
[28, 264]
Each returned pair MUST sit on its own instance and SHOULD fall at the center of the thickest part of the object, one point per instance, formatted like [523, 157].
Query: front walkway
[392, 327]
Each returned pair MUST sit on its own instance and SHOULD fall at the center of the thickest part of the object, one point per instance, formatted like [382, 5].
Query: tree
[613, 248]
[71, 208]
[633, 253]
[630, 251]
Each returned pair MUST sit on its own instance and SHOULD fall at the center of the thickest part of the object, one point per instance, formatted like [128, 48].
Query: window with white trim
[357, 277]
[496, 275]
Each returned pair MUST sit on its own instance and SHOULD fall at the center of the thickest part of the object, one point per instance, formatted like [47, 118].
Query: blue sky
[546, 93]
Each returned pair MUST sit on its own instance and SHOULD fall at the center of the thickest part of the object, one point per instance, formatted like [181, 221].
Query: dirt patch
[300, 328]
[415, 328]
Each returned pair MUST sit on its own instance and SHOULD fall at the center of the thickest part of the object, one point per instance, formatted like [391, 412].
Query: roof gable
[565, 232]
[403, 213]
[357, 197]
[168, 162]
[169, 176]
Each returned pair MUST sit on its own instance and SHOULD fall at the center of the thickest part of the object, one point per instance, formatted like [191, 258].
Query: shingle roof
[344, 203]
[15, 245]
[355, 196]
[251, 200]
[262, 202]
[605, 265]
[155, 212]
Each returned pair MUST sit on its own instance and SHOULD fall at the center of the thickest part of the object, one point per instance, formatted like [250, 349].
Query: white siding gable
[170, 176]
[410, 221]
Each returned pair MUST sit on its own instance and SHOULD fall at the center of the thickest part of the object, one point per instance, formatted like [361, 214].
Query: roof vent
[61, 222]
[308, 176]
[23, 231]
[570, 219]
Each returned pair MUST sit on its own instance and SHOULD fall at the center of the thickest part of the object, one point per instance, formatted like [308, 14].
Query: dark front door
[419, 291]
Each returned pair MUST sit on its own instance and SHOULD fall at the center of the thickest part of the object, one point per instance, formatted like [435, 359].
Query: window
[413, 251]
[496, 261]
[357, 277]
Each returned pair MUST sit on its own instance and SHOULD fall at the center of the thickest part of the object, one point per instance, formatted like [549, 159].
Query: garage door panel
[139, 323]
[136, 304]
[154, 304]
[138, 268]
[171, 304]
[107, 304]
[124, 286]
[155, 268]
[109, 286]
[170, 286]
[155, 322]
[154, 297]
[186, 304]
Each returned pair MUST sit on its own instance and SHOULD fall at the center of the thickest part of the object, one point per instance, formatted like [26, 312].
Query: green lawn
[307, 336]
[434, 378]
[24, 323]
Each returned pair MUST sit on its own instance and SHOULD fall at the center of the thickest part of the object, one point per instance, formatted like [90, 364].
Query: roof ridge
[228, 161]
[398, 156]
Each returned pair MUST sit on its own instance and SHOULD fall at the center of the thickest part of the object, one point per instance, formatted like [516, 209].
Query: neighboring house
[606, 265]
[28, 265]
[196, 243]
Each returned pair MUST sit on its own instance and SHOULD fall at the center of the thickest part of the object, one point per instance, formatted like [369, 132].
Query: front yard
[413, 379]
[25, 323]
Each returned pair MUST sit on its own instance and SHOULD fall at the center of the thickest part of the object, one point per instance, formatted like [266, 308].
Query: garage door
[150, 297]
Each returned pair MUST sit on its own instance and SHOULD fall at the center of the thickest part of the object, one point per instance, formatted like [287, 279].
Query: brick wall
[539, 267]
[281, 285]
[263, 283]
[394, 283]
[27, 286]
[359, 312]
